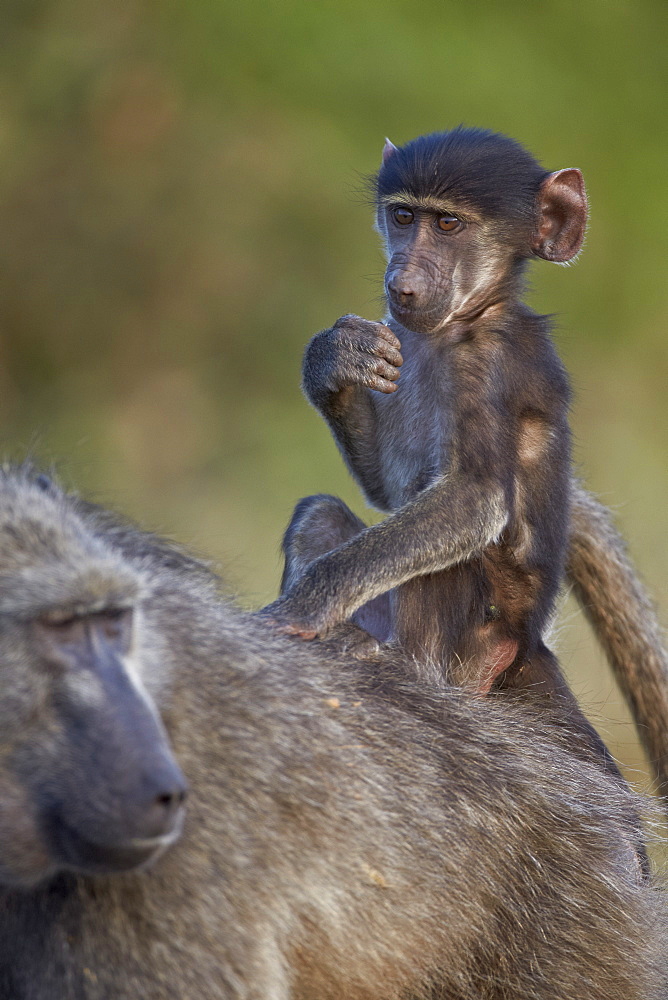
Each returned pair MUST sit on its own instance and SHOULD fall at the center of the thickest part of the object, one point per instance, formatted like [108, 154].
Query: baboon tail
[622, 615]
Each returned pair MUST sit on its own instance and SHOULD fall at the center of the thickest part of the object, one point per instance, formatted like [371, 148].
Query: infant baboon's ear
[389, 149]
[561, 216]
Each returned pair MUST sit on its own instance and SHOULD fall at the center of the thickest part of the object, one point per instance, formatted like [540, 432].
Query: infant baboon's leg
[321, 523]
[541, 674]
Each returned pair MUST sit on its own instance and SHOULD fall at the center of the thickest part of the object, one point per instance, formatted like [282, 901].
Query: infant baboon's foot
[354, 641]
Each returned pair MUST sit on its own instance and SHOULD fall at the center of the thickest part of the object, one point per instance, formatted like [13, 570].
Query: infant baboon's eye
[403, 216]
[449, 223]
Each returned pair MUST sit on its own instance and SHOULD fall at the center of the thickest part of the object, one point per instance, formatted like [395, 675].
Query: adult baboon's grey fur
[348, 834]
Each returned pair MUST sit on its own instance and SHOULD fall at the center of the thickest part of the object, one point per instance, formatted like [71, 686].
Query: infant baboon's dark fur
[451, 415]
[349, 834]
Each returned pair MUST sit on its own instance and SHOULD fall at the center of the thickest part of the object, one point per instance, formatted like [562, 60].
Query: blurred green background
[180, 210]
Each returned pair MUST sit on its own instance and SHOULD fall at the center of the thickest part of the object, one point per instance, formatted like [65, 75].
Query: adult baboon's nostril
[172, 799]
[160, 817]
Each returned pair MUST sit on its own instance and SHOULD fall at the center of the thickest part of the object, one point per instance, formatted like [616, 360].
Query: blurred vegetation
[180, 210]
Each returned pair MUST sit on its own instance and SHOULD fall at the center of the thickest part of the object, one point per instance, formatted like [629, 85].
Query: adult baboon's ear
[389, 149]
[561, 216]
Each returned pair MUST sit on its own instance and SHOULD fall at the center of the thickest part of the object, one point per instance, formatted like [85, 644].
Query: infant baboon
[452, 416]
[349, 835]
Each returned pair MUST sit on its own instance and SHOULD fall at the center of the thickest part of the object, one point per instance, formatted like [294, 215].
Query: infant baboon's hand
[354, 351]
[280, 616]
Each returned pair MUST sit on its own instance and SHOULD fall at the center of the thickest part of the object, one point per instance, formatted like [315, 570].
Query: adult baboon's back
[348, 835]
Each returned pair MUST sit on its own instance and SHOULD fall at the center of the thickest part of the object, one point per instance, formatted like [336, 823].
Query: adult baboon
[349, 834]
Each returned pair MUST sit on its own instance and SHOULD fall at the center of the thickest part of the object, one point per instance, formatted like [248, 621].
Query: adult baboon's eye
[448, 223]
[403, 216]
